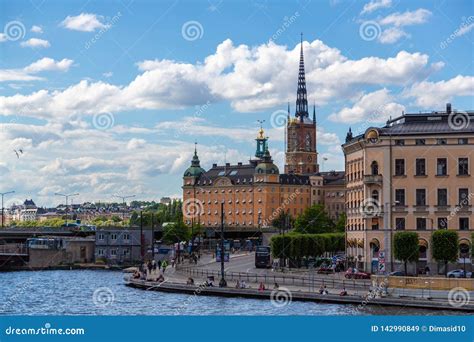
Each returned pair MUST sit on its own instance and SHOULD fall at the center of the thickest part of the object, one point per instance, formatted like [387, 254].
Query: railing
[312, 282]
[373, 179]
[14, 249]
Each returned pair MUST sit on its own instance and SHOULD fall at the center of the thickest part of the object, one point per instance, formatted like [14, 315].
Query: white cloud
[375, 107]
[49, 64]
[134, 144]
[36, 29]
[436, 94]
[251, 79]
[26, 74]
[86, 22]
[374, 5]
[407, 18]
[35, 43]
[392, 35]
[108, 74]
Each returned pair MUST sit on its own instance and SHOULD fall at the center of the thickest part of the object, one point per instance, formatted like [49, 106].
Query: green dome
[268, 168]
[193, 171]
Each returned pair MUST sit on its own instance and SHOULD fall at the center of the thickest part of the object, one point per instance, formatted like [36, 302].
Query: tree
[176, 232]
[445, 248]
[314, 220]
[282, 220]
[341, 223]
[405, 247]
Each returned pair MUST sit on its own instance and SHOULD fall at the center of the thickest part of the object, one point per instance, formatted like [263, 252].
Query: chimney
[239, 163]
[214, 165]
[227, 164]
[448, 108]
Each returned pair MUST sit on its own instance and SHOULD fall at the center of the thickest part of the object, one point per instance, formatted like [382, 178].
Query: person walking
[164, 264]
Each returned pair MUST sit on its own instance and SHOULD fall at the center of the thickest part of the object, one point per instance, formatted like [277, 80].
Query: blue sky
[108, 97]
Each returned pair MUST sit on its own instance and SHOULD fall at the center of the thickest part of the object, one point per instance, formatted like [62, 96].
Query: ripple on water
[72, 293]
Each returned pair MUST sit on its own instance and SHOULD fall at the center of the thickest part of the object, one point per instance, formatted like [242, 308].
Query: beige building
[412, 174]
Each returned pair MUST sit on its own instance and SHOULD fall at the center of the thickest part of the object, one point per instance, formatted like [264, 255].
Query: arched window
[375, 168]
[375, 195]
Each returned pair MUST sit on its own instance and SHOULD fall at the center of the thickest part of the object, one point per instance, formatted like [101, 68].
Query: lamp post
[67, 198]
[3, 194]
[222, 282]
[124, 204]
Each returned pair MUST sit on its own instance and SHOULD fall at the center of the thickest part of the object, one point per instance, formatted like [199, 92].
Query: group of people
[324, 291]
[151, 271]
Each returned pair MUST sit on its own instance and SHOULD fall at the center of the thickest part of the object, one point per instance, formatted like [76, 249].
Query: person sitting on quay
[343, 292]
[243, 285]
[237, 284]
[261, 287]
[276, 286]
[136, 274]
[325, 290]
[190, 281]
[160, 279]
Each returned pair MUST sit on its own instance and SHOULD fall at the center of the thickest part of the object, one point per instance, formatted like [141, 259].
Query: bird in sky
[18, 154]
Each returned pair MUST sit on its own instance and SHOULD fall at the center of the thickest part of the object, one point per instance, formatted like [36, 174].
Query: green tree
[445, 247]
[314, 220]
[282, 220]
[405, 247]
[340, 225]
[176, 232]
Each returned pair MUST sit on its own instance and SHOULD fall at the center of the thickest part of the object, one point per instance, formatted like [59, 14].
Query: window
[441, 141]
[420, 142]
[100, 252]
[400, 196]
[421, 167]
[464, 223]
[462, 141]
[399, 142]
[441, 167]
[420, 197]
[442, 197]
[399, 167]
[400, 223]
[126, 236]
[420, 223]
[374, 168]
[113, 252]
[101, 236]
[442, 223]
[375, 195]
[113, 236]
[126, 252]
[463, 197]
[463, 167]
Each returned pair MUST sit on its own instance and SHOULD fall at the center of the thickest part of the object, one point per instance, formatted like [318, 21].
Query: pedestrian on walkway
[164, 264]
[159, 264]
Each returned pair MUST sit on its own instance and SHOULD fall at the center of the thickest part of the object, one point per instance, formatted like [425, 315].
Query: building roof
[333, 177]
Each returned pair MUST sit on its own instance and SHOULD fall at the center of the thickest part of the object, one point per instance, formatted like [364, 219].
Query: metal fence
[14, 249]
[312, 282]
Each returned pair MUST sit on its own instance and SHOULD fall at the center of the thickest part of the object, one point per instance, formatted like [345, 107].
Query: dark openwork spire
[314, 113]
[301, 95]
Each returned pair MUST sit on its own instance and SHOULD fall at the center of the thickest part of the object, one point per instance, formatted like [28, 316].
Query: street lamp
[3, 194]
[124, 204]
[67, 198]
[223, 282]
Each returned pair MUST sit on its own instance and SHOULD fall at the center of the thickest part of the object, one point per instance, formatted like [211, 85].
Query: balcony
[373, 179]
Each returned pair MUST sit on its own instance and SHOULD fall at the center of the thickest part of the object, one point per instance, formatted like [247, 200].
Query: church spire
[301, 95]
[314, 113]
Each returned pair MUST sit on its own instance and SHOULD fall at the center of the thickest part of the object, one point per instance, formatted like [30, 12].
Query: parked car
[325, 270]
[400, 274]
[459, 274]
[356, 274]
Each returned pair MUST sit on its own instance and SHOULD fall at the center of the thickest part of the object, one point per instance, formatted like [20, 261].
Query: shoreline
[295, 295]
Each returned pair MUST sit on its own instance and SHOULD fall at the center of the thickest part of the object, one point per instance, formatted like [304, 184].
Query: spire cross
[261, 122]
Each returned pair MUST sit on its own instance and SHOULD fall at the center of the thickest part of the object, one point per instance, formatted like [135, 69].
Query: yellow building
[413, 174]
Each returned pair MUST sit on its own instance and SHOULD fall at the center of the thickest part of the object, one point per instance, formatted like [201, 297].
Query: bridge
[13, 254]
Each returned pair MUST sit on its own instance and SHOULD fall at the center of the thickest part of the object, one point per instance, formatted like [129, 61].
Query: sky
[107, 98]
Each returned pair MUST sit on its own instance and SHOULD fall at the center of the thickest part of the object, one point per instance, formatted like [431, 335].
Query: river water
[92, 292]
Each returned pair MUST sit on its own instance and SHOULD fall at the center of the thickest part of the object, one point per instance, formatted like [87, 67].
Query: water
[72, 293]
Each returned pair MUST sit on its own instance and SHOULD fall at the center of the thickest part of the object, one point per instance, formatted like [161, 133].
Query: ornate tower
[261, 143]
[301, 154]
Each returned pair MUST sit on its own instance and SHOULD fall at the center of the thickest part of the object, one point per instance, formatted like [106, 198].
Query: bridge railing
[312, 282]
